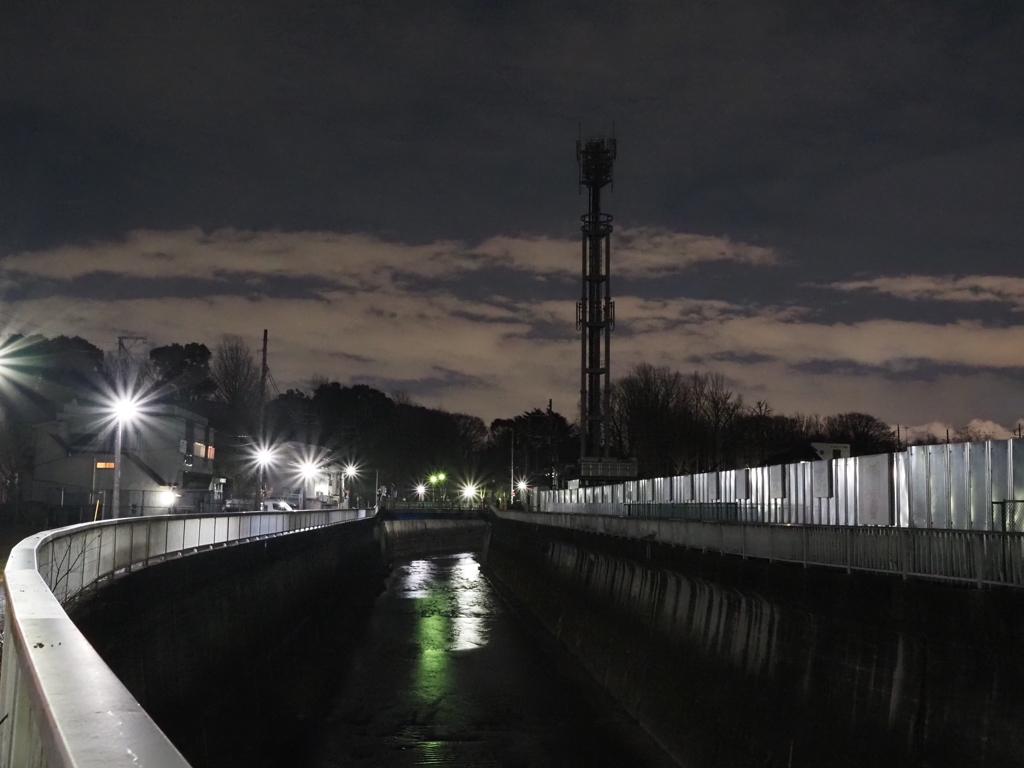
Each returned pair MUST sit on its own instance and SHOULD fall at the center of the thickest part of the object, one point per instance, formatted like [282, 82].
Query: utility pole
[122, 349]
[512, 470]
[263, 434]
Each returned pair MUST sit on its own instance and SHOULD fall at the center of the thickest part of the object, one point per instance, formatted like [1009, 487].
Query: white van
[277, 505]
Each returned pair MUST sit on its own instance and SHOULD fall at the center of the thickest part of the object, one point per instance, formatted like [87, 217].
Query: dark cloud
[907, 370]
[836, 142]
[107, 286]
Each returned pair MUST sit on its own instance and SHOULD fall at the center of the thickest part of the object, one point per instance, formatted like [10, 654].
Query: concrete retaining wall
[730, 662]
[430, 535]
[206, 644]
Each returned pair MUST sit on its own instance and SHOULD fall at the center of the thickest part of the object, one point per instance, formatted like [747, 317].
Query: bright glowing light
[265, 456]
[350, 471]
[522, 486]
[469, 492]
[126, 408]
[308, 469]
[166, 498]
[433, 479]
[440, 476]
[421, 491]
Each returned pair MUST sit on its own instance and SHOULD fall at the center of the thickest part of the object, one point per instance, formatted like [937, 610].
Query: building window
[104, 465]
[200, 451]
[209, 452]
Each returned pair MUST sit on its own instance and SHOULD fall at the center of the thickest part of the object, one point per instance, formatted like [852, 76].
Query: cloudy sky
[822, 201]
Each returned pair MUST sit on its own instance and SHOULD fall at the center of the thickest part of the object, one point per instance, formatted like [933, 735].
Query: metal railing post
[849, 549]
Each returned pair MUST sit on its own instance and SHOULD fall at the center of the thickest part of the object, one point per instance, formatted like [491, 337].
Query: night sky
[823, 201]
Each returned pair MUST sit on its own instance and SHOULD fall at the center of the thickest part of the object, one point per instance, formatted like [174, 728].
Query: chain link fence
[1008, 516]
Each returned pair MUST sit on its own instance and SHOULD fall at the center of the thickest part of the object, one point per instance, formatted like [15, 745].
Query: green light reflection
[433, 672]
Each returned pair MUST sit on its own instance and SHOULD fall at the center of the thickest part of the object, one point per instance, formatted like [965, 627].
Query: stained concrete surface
[446, 675]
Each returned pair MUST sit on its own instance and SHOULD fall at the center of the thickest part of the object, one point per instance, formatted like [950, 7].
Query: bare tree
[719, 407]
[236, 373]
[402, 397]
[651, 417]
[472, 434]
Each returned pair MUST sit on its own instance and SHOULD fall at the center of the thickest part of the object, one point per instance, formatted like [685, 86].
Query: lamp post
[308, 470]
[124, 409]
[522, 487]
[350, 472]
[434, 480]
[264, 458]
[469, 492]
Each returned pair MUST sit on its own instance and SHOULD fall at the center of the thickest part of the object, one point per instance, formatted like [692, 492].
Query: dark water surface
[446, 675]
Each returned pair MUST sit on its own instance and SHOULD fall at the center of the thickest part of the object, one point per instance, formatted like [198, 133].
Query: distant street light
[308, 470]
[265, 456]
[125, 409]
[349, 473]
[421, 491]
[469, 492]
[434, 480]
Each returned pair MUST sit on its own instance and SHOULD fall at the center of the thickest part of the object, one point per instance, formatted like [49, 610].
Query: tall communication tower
[595, 311]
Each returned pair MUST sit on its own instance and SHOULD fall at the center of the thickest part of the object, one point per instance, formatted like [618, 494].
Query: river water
[445, 675]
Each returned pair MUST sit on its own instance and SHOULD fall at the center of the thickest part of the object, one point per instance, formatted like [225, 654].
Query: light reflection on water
[455, 606]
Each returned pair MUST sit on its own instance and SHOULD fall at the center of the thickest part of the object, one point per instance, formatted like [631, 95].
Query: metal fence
[976, 557]
[948, 487]
[454, 504]
[721, 511]
[60, 705]
[1008, 516]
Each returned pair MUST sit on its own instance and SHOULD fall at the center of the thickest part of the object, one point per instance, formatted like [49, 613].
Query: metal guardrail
[974, 557]
[60, 705]
[721, 511]
[452, 504]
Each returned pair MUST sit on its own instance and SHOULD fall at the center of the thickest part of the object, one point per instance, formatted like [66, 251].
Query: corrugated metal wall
[929, 486]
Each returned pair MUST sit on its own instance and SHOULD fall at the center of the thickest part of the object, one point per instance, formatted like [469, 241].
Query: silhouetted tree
[865, 433]
[183, 372]
[235, 373]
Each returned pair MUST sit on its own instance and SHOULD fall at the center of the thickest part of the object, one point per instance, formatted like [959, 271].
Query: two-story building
[167, 458]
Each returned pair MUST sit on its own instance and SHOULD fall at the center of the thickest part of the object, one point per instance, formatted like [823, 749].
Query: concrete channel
[466, 639]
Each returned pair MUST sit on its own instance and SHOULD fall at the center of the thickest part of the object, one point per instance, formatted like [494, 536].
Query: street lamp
[308, 470]
[469, 492]
[125, 409]
[522, 487]
[421, 491]
[265, 456]
[349, 473]
[434, 480]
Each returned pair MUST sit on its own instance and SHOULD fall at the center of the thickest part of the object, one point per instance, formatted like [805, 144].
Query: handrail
[971, 557]
[60, 705]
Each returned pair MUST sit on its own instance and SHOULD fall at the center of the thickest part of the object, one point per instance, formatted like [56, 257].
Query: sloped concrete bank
[420, 534]
[218, 647]
[732, 662]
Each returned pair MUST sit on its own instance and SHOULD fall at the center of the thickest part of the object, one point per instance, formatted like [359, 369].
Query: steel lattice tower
[595, 312]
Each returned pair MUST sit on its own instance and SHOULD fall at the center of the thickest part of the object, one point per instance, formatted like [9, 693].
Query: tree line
[670, 422]
[673, 423]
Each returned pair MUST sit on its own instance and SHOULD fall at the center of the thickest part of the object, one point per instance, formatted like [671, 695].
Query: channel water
[446, 674]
